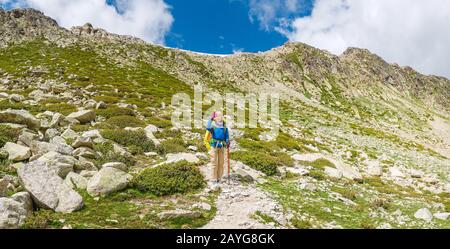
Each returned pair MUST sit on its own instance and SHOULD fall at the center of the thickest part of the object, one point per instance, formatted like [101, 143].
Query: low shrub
[107, 155]
[114, 111]
[258, 160]
[123, 121]
[169, 179]
[8, 134]
[172, 145]
[137, 140]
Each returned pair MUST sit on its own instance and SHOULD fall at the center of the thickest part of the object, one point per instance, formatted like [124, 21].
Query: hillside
[85, 126]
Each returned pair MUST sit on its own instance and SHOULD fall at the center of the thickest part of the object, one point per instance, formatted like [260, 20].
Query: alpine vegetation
[99, 130]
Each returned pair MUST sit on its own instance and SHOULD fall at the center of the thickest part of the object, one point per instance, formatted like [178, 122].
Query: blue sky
[219, 26]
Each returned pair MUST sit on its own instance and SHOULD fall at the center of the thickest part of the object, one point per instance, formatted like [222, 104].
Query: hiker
[217, 140]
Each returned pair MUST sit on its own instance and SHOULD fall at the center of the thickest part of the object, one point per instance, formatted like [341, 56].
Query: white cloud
[408, 32]
[270, 12]
[146, 19]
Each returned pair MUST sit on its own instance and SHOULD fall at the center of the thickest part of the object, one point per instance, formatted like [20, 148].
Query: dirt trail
[237, 204]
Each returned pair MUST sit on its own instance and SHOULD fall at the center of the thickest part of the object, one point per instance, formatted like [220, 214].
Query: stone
[56, 120]
[83, 117]
[332, 172]
[395, 172]
[24, 198]
[151, 128]
[424, 214]
[16, 97]
[69, 134]
[431, 179]
[108, 180]
[190, 158]
[246, 177]
[88, 173]
[92, 134]
[84, 152]
[47, 189]
[76, 181]
[179, 213]
[12, 214]
[83, 142]
[152, 137]
[20, 117]
[297, 170]
[27, 138]
[192, 148]
[374, 168]
[16, 152]
[348, 171]
[202, 205]
[4, 182]
[62, 164]
[116, 165]
[416, 173]
[40, 148]
[442, 216]
[51, 133]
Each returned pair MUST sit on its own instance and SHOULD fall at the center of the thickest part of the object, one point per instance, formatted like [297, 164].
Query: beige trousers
[217, 162]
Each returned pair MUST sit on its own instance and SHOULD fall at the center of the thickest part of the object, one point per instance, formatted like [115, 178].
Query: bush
[160, 122]
[258, 160]
[169, 179]
[173, 145]
[114, 111]
[123, 121]
[107, 155]
[137, 140]
[8, 134]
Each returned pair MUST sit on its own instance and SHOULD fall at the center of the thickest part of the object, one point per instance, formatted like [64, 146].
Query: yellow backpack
[207, 139]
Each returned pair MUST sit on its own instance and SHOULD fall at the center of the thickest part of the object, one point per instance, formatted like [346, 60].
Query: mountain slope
[364, 143]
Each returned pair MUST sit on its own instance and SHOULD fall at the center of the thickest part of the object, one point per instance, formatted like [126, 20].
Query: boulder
[76, 181]
[442, 216]
[4, 182]
[20, 117]
[149, 130]
[395, 172]
[47, 189]
[40, 148]
[108, 180]
[116, 165]
[83, 117]
[424, 214]
[62, 164]
[12, 214]
[347, 171]
[83, 142]
[27, 138]
[16, 152]
[24, 198]
[332, 172]
[374, 168]
[69, 134]
[84, 152]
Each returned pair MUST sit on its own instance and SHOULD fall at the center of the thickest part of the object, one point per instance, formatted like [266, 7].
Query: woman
[219, 141]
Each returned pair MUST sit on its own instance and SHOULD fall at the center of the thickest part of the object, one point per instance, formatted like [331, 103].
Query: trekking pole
[228, 155]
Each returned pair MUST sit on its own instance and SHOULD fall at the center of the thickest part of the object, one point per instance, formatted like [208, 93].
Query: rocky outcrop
[108, 180]
[47, 189]
[20, 117]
